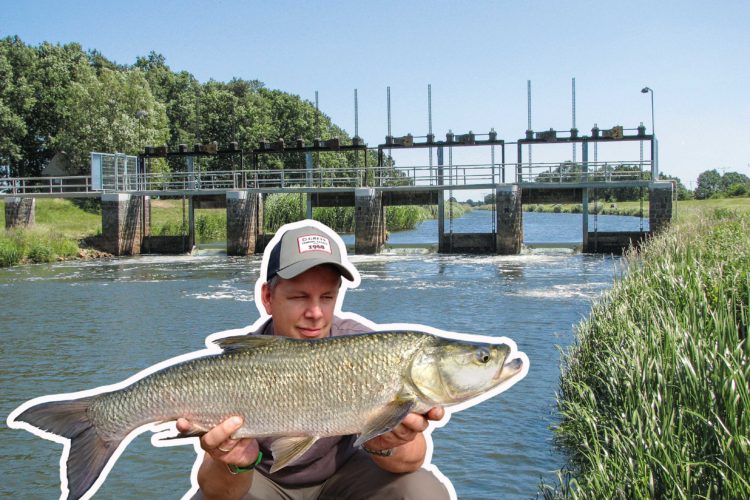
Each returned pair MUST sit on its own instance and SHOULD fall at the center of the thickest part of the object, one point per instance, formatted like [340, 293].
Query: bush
[210, 228]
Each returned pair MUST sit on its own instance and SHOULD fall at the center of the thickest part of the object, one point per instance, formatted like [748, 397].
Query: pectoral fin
[386, 419]
[288, 449]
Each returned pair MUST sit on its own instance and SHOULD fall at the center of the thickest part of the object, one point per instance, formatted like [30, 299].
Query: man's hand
[407, 442]
[218, 442]
[214, 478]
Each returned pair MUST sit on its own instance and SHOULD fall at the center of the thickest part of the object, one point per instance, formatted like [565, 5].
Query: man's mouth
[309, 332]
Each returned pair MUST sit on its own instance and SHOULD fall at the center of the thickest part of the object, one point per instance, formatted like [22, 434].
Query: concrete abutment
[19, 212]
[369, 221]
[244, 221]
[660, 206]
[509, 219]
[125, 221]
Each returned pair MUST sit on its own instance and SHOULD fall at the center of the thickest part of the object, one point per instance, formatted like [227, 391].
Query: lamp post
[646, 90]
[654, 145]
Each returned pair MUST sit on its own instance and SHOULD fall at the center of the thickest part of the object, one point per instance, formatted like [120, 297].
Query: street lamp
[646, 90]
[654, 144]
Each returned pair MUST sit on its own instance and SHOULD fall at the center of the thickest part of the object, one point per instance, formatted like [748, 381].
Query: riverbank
[654, 394]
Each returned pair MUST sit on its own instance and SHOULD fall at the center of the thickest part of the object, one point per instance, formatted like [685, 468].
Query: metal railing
[45, 185]
[421, 176]
[562, 173]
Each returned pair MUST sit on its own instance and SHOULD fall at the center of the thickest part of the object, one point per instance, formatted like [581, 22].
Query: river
[76, 325]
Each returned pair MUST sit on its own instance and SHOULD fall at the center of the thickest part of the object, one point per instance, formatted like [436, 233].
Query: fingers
[218, 440]
[436, 413]
[412, 425]
[413, 422]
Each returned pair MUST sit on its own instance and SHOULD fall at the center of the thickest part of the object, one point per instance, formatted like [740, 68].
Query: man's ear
[265, 297]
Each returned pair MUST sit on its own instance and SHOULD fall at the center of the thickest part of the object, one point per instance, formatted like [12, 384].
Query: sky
[477, 56]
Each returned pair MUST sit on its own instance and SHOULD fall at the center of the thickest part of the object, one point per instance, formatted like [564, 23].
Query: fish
[296, 391]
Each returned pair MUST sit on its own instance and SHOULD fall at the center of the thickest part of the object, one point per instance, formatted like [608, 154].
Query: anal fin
[288, 449]
[386, 419]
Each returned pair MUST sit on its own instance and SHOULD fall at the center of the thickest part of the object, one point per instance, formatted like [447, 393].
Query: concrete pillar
[509, 219]
[19, 212]
[369, 221]
[243, 221]
[123, 223]
[659, 206]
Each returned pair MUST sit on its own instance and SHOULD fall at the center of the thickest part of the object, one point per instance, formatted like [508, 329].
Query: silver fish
[295, 390]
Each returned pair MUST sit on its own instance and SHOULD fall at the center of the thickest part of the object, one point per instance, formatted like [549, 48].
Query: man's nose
[313, 309]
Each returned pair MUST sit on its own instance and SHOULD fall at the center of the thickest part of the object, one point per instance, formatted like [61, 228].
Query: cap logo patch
[313, 243]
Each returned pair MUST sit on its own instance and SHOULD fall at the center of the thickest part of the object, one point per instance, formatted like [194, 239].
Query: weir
[126, 189]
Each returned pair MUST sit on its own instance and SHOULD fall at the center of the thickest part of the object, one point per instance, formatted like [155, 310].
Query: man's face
[302, 307]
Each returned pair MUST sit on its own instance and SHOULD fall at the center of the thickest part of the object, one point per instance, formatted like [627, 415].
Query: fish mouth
[509, 370]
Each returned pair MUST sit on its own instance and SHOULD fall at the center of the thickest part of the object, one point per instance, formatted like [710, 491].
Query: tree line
[710, 184]
[60, 98]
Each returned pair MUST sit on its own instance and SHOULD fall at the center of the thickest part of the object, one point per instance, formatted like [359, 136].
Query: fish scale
[296, 389]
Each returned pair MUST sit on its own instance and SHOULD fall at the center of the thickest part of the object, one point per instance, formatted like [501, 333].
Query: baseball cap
[303, 248]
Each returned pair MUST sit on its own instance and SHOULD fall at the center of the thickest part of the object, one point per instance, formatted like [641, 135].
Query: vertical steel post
[309, 179]
[441, 200]
[585, 200]
[574, 117]
[429, 124]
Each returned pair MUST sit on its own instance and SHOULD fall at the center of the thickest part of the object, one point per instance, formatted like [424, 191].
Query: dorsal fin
[246, 342]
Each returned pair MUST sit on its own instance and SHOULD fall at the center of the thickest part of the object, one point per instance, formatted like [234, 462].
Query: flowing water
[77, 325]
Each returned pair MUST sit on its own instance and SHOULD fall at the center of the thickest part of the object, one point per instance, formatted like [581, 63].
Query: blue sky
[477, 56]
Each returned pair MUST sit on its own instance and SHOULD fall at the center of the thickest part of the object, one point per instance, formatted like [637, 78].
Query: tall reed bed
[34, 245]
[655, 394]
[281, 209]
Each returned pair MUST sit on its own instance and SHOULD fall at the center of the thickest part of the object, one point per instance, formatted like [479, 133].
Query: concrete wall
[243, 221]
[471, 243]
[659, 206]
[123, 223]
[166, 245]
[19, 212]
[369, 221]
[509, 219]
[551, 195]
[613, 242]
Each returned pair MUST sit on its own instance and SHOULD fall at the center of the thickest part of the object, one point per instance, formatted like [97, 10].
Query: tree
[105, 113]
[709, 184]
[735, 184]
[683, 193]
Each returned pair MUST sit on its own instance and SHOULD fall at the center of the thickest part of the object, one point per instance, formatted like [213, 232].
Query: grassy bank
[35, 245]
[655, 392]
[59, 226]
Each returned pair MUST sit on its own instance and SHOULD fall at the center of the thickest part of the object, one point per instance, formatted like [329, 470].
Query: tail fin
[88, 453]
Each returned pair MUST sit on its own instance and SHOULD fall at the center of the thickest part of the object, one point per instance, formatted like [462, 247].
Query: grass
[35, 245]
[59, 226]
[655, 393]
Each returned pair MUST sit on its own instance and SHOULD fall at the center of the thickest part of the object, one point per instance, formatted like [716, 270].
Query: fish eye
[483, 355]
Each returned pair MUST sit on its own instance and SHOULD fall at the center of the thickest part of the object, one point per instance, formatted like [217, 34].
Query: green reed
[281, 209]
[34, 245]
[655, 393]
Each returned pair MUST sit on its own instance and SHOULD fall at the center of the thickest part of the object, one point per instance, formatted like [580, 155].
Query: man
[304, 269]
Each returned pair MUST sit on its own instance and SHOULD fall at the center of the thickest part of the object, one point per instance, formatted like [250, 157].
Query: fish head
[451, 371]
